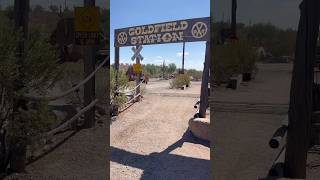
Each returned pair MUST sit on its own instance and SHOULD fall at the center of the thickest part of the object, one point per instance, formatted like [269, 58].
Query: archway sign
[179, 31]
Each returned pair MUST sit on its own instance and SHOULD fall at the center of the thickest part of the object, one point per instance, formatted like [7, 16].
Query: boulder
[200, 127]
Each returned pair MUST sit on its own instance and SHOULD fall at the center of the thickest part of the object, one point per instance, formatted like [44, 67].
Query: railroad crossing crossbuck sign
[137, 53]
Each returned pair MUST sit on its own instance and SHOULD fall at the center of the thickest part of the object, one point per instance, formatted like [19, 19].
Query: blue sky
[127, 13]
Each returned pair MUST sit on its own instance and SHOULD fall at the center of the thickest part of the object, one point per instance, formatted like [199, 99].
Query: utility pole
[234, 18]
[183, 57]
[163, 66]
[89, 87]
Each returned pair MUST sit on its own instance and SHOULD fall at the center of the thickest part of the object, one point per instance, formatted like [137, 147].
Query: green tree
[171, 68]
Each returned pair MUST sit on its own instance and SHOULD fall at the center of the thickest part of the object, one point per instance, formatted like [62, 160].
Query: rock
[200, 127]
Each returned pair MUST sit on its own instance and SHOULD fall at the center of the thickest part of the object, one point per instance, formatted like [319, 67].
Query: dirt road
[241, 136]
[150, 140]
[242, 132]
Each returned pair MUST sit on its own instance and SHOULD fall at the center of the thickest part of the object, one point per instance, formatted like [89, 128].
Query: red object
[233, 39]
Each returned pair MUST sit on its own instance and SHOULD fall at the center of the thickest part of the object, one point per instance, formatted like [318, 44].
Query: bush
[180, 81]
[119, 99]
[247, 56]
[197, 75]
[23, 123]
[233, 59]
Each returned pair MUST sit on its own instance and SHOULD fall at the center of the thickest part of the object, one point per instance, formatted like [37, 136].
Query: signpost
[86, 34]
[180, 31]
[188, 30]
[137, 68]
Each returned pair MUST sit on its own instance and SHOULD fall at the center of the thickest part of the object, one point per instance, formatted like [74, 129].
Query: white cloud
[159, 57]
[185, 53]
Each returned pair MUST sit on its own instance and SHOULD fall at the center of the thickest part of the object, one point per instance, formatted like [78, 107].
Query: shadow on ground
[164, 165]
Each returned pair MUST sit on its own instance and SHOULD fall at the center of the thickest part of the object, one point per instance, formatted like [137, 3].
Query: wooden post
[183, 57]
[300, 109]
[138, 78]
[21, 11]
[89, 87]
[116, 64]
[205, 83]
[17, 157]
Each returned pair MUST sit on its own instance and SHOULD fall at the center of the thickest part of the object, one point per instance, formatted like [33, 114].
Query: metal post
[138, 78]
[183, 57]
[205, 83]
[89, 87]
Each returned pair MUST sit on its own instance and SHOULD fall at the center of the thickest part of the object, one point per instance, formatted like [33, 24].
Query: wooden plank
[300, 109]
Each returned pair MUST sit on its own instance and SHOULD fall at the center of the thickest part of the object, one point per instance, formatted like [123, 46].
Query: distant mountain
[47, 3]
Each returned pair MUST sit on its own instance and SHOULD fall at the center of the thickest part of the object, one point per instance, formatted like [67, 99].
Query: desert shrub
[36, 74]
[233, 59]
[180, 81]
[118, 99]
[247, 56]
[197, 75]
[30, 125]
[225, 62]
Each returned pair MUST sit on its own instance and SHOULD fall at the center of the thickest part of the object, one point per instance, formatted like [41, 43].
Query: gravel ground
[82, 157]
[150, 140]
[240, 137]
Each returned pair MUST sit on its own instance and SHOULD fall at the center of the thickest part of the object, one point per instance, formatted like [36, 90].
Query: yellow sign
[137, 68]
[87, 19]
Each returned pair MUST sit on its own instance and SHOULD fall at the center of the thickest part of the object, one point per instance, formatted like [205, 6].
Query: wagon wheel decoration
[199, 30]
[122, 38]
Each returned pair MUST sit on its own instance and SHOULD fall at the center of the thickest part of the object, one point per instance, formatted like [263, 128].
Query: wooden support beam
[17, 152]
[300, 109]
[205, 83]
[89, 87]
[117, 64]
